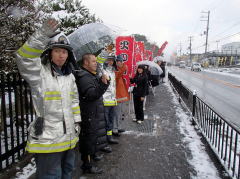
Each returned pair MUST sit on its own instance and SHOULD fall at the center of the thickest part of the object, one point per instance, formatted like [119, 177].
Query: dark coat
[91, 89]
[154, 80]
[141, 82]
[101, 134]
[163, 64]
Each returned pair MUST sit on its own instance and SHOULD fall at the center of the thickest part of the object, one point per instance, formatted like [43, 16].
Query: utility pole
[217, 44]
[180, 49]
[206, 18]
[190, 48]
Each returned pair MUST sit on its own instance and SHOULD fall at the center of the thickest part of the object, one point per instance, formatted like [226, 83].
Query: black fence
[221, 135]
[16, 113]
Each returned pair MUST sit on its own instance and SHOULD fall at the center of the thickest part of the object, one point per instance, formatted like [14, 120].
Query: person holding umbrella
[139, 92]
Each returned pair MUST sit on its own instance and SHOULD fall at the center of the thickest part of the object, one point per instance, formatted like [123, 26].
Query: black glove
[38, 126]
[131, 80]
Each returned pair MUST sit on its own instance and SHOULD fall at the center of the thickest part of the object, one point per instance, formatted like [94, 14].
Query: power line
[213, 8]
[217, 41]
[226, 37]
[217, 5]
[234, 25]
[195, 48]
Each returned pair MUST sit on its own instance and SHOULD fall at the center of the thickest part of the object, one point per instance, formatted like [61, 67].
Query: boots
[117, 134]
[96, 157]
[106, 149]
[121, 130]
[88, 167]
[93, 170]
[111, 140]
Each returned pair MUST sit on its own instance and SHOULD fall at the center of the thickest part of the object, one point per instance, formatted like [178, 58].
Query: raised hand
[49, 27]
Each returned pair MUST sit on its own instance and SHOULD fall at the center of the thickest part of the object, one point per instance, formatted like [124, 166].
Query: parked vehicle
[196, 67]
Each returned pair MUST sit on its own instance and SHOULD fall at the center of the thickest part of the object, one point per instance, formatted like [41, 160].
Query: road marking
[213, 79]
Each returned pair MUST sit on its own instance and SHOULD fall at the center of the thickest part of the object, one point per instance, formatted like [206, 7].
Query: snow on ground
[233, 72]
[27, 171]
[200, 159]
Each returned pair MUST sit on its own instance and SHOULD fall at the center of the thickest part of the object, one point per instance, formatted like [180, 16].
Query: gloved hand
[77, 128]
[49, 27]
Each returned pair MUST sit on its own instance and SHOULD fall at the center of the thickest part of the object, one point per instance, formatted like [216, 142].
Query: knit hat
[119, 58]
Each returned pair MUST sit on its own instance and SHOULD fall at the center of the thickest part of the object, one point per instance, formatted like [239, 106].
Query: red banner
[125, 48]
[148, 55]
[139, 51]
[160, 51]
[145, 55]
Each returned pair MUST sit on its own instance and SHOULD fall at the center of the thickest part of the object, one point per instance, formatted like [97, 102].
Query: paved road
[221, 92]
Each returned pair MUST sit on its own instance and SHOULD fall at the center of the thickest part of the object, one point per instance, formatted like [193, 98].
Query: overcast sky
[173, 20]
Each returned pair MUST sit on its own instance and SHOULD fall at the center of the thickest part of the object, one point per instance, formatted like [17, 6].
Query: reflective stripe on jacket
[100, 59]
[109, 97]
[55, 99]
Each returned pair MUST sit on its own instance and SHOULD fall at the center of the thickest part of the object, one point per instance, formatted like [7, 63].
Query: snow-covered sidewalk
[200, 160]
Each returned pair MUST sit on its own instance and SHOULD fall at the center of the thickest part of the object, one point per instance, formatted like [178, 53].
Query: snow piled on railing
[200, 160]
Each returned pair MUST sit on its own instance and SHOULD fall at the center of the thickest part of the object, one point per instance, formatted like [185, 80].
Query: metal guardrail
[16, 113]
[221, 135]
[232, 66]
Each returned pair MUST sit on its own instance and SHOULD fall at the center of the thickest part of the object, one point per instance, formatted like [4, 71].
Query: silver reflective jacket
[109, 97]
[55, 99]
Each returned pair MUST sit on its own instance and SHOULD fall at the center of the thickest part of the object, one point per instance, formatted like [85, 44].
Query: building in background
[231, 48]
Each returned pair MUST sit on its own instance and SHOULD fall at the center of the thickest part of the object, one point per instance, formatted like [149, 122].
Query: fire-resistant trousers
[110, 113]
[55, 165]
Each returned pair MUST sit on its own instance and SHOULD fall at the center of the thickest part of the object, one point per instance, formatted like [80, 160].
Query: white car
[182, 64]
[196, 67]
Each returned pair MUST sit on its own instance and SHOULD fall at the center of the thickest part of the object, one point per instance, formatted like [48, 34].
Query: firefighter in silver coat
[109, 97]
[44, 63]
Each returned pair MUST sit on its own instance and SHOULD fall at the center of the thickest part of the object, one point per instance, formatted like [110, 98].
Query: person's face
[140, 70]
[92, 64]
[59, 56]
[119, 63]
[110, 62]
